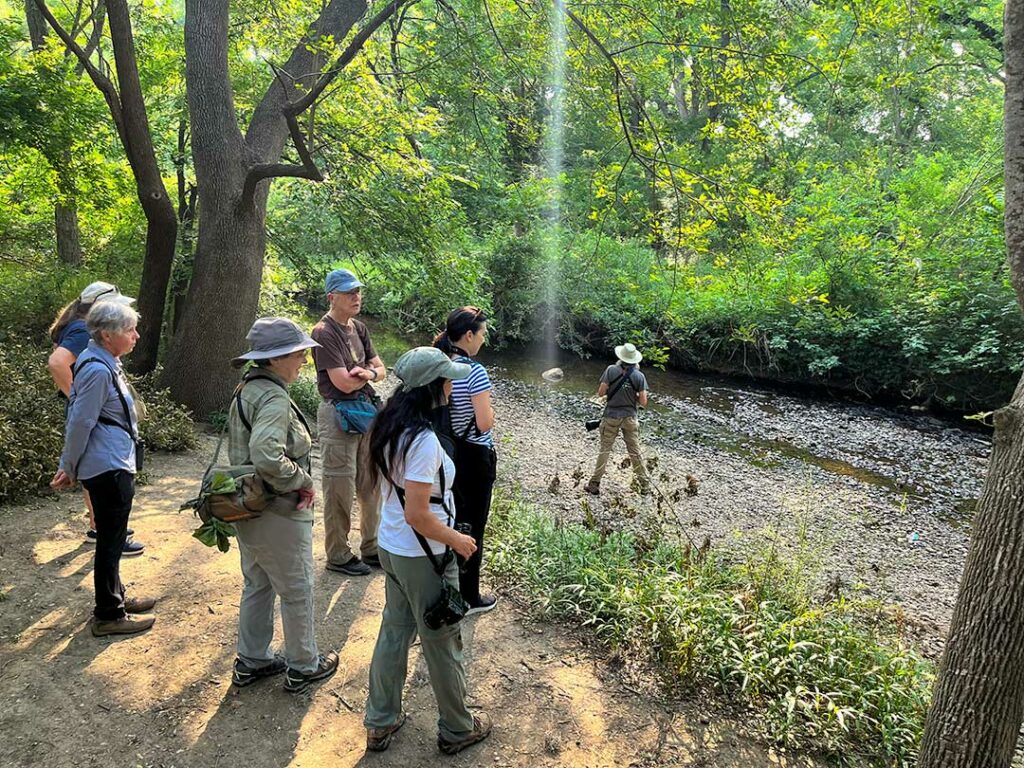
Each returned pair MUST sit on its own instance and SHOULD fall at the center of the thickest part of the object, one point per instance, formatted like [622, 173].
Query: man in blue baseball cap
[346, 363]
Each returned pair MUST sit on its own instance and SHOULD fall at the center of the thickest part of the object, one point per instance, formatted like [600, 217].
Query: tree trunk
[36, 25]
[161, 222]
[224, 293]
[65, 219]
[978, 702]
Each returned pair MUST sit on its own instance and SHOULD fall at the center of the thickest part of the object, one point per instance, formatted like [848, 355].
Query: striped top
[462, 401]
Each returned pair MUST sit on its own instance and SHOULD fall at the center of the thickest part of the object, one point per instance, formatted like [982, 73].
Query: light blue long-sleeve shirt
[91, 447]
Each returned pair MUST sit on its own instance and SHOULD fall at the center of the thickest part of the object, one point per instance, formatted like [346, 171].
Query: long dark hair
[460, 322]
[404, 416]
[75, 310]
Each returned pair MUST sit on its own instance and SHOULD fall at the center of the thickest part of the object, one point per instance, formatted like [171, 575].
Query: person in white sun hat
[626, 389]
[70, 338]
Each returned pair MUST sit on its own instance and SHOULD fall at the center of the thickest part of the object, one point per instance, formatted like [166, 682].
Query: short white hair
[111, 317]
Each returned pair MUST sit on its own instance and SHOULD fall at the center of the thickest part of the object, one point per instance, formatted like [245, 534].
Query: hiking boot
[372, 560]
[354, 567]
[483, 605]
[295, 682]
[379, 739]
[139, 604]
[481, 730]
[244, 675]
[126, 625]
[593, 488]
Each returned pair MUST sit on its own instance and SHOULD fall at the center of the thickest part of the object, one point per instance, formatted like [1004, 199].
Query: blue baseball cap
[341, 281]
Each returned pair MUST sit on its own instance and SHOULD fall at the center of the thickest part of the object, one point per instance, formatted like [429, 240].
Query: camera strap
[439, 563]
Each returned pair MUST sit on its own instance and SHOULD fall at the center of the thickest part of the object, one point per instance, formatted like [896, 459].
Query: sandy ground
[164, 698]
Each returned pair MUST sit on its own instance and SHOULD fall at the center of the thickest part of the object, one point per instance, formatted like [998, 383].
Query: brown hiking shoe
[594, 489]
[481, 730]
[126, 625]
[139, 604]
[379, 739]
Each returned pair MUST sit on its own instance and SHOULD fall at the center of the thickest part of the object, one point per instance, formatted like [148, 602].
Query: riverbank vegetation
[806, 193]
[826, 672]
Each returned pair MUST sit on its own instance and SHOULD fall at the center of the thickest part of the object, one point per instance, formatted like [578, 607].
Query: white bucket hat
[628, 353]
[100, 291]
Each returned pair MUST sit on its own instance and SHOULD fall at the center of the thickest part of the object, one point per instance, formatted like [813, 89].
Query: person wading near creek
[346, 363]
[70, 338]
[102, 450]
[626, 389]
[472, 417]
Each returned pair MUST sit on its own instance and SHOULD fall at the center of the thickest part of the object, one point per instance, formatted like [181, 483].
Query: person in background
[346, 363]
[626, 388]
[472, 418]
[70, 338]
[267, 430]
[100, 439]
[415, 476]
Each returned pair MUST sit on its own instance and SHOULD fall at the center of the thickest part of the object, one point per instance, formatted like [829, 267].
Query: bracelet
[374, 372]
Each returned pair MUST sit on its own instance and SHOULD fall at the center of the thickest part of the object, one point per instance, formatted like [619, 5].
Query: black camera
[592, 424]
[448, 610]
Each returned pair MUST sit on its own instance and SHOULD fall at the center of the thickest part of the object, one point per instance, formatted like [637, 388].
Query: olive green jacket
[279, 446]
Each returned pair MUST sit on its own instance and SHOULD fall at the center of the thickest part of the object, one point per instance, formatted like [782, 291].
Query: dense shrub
[32, 421]
[828, 673]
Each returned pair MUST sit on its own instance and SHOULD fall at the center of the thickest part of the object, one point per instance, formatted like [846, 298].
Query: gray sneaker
[244, 675]
[354, 567]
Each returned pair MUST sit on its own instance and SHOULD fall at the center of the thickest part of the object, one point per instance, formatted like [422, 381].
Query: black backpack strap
[252, 377]
[439, 564]
[128, 426]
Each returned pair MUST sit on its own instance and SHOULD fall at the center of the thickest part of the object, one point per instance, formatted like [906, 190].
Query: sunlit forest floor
[164, 698]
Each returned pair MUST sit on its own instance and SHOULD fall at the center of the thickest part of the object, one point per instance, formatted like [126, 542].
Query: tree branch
[101, 81]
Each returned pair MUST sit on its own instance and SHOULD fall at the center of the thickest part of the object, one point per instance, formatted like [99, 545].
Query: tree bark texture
[161, 222]
[65, 220]
[224, 292]
[978, 702]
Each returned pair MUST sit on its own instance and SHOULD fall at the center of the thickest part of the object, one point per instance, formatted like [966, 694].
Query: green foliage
[831, 674]
[32, 421]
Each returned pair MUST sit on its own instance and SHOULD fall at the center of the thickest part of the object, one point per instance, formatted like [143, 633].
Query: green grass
[829, 674]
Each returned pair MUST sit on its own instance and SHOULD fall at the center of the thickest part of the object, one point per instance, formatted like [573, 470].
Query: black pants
[475, 472]
[111, 494]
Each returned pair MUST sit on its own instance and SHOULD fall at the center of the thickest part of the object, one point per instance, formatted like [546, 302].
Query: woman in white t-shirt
[416, 477]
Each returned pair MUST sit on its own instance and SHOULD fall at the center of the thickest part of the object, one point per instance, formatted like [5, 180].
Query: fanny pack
[234, 492]
[355, 415]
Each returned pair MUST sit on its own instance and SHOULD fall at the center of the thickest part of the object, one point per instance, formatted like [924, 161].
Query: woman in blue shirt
[100, 450]
[70, 338]
[472, 418]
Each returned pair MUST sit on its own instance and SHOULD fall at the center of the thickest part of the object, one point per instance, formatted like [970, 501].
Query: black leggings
[111, 494]
[475, 471]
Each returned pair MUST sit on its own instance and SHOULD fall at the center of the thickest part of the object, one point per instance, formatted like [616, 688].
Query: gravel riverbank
[881, 498]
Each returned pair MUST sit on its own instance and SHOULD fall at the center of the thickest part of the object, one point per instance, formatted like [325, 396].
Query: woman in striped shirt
[472, 417]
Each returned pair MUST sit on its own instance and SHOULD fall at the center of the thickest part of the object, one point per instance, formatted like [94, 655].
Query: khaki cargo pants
[609, 430]
[341, 456]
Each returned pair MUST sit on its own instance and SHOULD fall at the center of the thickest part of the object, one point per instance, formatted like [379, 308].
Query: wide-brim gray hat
[272, 337]
[628, 353]
[422, 365]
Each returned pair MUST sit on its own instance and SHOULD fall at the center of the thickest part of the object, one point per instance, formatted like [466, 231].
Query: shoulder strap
[238, 401]
[626, 375]
[128, 426]
[472, 419]
[439, 564]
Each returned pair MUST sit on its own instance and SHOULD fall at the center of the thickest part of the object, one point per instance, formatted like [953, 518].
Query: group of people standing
[421, 465]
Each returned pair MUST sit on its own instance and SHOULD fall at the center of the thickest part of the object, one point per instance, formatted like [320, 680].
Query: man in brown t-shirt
[346, 363]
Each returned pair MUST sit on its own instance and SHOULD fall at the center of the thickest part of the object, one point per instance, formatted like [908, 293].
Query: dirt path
[164, 698]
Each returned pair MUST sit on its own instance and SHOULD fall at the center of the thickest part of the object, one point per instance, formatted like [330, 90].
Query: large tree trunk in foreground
[978, 701]
[224, 293]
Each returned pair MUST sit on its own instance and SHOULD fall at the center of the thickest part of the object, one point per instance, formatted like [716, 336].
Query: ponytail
[460, 322]
[75, 310]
